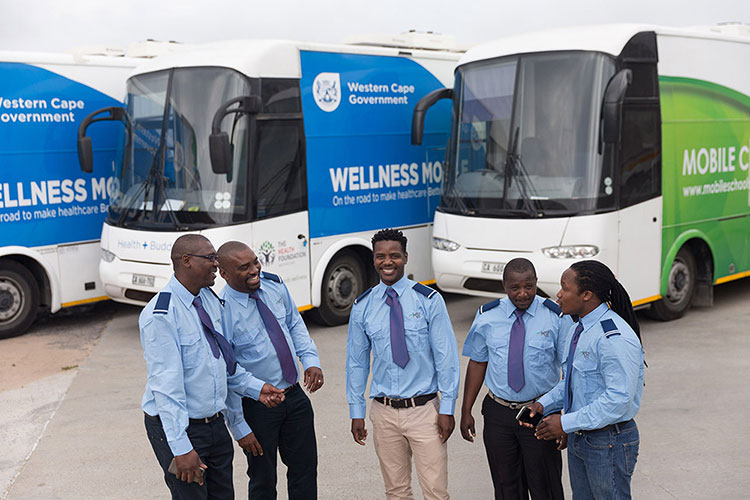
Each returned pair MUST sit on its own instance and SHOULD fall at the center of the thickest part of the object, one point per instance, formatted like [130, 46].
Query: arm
[445, 354]
[358, 349]
[620, 364]
[304, 347]
[475, 373]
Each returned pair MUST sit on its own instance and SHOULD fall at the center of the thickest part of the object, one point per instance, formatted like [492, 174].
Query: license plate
[493, 267]
[143, 280]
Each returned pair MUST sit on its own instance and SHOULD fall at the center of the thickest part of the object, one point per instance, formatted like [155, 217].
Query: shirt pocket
[380, 339]
[588, 371]
[251, 343]
[541, 351]
[191, 349]
[497, 350]
[417, 334]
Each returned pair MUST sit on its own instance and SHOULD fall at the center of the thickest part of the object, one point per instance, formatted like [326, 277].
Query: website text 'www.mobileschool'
[716, 187]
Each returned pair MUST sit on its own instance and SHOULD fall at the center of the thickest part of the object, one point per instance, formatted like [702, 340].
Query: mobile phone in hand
[523, 416]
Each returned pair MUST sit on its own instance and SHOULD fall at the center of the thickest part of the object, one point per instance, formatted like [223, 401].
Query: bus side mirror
[425, 103]
[614, 95]
[85, 150]
[219, 147]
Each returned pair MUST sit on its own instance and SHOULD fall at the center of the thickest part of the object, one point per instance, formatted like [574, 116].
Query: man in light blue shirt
[405, 325]
[267, 331]
[531, 329]
[603, 384]
[190, 366]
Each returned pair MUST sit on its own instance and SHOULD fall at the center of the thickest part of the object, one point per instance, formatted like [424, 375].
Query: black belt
[611, 427]
[205, 420]
[406, 402]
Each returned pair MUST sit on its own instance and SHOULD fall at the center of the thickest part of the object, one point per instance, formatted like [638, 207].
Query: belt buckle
[515, 406]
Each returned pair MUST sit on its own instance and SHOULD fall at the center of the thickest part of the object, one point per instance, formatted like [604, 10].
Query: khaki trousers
[397, 435]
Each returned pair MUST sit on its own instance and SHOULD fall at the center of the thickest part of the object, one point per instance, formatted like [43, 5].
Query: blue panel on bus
[363, 173]
[44, 197]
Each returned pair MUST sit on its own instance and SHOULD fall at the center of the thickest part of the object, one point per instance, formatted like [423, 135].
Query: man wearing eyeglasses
[190, 368]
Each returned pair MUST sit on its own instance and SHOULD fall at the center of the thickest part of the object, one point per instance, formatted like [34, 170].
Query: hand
[313, 379]
[250, 444]
[189, 466]
[534, 408]
[550, 428]
[467, 427]
[562, 442]
[271, 396]
[446, 424]
[358, 430]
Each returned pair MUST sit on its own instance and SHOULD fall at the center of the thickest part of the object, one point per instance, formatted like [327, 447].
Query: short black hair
[390, 235]
[518, 265]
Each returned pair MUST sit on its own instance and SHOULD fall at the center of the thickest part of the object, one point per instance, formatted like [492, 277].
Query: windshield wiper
[514, 164]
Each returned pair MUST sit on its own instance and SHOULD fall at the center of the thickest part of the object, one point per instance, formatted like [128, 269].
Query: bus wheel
[680, 289]
[19, 299]
[343, 281]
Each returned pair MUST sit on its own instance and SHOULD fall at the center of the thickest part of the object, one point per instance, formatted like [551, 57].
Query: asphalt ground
[78, 432]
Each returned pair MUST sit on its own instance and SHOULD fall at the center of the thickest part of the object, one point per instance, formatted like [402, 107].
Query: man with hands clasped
[190, 368]
[515, 346]
[405, 325]
[268, 334]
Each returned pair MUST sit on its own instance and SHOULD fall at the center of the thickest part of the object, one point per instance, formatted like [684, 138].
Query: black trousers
[289, 429]
[214, 446]
[519, 462]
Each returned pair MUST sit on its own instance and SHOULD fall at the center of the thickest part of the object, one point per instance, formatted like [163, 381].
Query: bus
[301, 150]
[624, 143]
[50, 214]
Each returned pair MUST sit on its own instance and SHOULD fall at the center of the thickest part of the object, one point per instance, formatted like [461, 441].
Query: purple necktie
[276, 334]
[216, 340]
[398, 340]
[569, 366]
[515, 353]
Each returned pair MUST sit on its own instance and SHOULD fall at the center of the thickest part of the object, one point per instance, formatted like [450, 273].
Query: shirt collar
[400, 286]
[182, 293]
[242, 298]
[594, 315]
[510, 308]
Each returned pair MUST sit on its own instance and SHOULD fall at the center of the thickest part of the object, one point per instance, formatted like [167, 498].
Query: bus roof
[271, 58]
[607, 38]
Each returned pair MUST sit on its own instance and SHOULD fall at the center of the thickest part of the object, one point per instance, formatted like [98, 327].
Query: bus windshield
[526, 137]
[165, 176]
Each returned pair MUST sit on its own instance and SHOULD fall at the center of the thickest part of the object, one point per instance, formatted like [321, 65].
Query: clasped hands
[549, 428]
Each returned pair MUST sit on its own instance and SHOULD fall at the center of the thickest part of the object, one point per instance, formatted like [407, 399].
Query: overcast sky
[58, 25]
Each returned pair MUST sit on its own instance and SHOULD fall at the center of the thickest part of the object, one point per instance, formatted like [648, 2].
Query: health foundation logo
[267, 253]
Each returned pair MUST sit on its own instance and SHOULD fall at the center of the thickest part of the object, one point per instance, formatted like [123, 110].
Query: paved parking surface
[82, 429]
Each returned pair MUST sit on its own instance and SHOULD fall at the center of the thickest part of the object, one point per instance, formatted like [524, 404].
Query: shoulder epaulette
[364, 294]
[489, 305]
[162, 303]
[610, 329]
[271, 276]
[424, 290]
[552, 306]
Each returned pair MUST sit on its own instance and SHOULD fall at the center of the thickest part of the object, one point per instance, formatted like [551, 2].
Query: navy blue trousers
[289, 429]
[214, 446]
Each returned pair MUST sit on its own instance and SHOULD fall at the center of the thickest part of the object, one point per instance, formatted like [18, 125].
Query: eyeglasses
[211, 256]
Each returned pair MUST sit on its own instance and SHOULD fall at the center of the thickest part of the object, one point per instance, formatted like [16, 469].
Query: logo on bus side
[327, 91]
[266, 253]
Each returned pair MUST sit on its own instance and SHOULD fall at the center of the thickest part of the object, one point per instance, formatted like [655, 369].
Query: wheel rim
[679, 281]
[11, 299]
[342, 287]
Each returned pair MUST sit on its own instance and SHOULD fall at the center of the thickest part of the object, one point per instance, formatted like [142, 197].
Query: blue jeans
[601, 463]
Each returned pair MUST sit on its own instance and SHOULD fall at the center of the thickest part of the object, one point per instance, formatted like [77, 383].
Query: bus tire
[19, 298]
[680, 289]
[344, 280]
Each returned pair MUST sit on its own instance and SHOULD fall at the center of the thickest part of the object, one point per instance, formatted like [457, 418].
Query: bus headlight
[443, 244]
[107, 256]
[571, 252]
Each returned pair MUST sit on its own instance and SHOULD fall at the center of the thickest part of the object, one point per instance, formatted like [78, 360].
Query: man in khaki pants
[414, 356]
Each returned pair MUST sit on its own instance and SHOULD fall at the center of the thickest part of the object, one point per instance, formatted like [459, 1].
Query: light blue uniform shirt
[252, 345]
[433, 355]
[607, 375]
[184, 379]
[543, 348]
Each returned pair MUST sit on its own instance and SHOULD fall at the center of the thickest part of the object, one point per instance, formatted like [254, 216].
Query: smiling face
[201, 269]
[240, 268]
[521, 288]
[389, 260]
